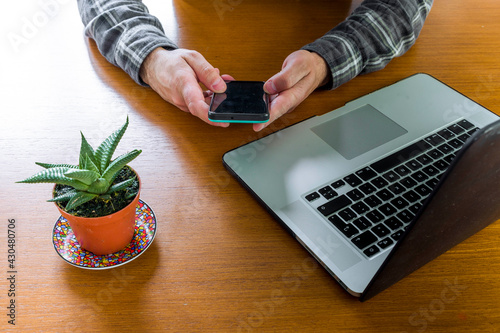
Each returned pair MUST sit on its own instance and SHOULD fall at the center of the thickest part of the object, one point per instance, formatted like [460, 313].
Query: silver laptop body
[287, 170]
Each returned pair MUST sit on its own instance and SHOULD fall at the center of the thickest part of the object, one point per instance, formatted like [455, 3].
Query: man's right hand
[176, 76]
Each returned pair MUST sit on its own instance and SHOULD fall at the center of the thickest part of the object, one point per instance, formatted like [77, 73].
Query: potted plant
[98, 197]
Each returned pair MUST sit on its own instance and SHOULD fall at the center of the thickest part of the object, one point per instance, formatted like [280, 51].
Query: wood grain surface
[219, 262]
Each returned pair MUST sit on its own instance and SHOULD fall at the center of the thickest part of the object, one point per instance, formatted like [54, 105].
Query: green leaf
[85, 176]
[131, 195]
[100, 186]
[112, 171]
[55, 175]
[107, 148]
[86, 151]
[91, 165]
[64, 197]
[120, 186]
[80, 198]
[48, 166]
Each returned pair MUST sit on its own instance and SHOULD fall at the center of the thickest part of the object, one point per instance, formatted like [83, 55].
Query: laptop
[379, 187]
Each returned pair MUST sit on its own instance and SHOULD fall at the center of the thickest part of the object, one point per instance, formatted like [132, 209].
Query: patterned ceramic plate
[68, 248]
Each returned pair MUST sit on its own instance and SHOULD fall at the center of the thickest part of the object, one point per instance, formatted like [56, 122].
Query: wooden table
[219, 262]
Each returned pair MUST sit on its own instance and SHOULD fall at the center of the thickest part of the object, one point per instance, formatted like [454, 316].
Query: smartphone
[242, 102]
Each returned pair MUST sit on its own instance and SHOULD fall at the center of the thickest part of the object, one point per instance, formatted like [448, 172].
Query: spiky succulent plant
[93, 176]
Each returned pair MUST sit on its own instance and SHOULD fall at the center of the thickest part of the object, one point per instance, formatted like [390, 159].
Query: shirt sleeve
[376, 32]
[124, 31]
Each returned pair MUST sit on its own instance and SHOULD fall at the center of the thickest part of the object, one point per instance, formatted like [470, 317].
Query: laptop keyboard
[373, 206]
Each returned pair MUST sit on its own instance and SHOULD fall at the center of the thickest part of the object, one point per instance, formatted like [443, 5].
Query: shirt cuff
[341, 55]
[135, 45]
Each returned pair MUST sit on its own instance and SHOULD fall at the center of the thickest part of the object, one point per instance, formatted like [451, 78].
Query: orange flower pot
[105, 234]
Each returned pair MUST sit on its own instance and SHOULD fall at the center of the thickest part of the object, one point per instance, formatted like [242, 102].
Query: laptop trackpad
[358, 131]
[322, 236]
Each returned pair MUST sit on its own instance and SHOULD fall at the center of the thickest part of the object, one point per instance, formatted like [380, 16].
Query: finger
[197, 104]
[292, 72]
[205, 72]
[227, 77]
[283, 103]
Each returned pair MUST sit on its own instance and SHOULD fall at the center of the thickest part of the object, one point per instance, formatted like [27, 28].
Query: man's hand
[176, 76]
[301, 74]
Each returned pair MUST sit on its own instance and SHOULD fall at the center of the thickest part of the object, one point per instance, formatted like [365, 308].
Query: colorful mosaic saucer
[68, 248]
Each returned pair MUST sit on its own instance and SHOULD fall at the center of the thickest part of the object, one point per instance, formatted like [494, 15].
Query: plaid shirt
[376, 32]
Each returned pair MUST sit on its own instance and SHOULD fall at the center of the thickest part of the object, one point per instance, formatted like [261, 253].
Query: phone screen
[243, 101]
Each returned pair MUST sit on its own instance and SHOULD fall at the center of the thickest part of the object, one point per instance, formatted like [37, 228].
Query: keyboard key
[385, 243]
[372, 250]
[411, 196]
[445, 149]
[362, 223]
[338, 184]
[334, 205]
[406, 216]
[367, 188]
[464, 137]
[424, 159]
[415, 208]
[419, 176]
[360, 208]
[465, 124]
[364, 239]
[402, 170]
[387, 209]
[423, 190]
[408, 182]
[375, 216]
[327, 192]
[446, 134]
[455, 143]
[435, 154]
[434, 139]
[414, 165]
[391, 176]
[441, 165]
[397, 188]
[472, 131]
[347, 229]
[380, 230]
[355, 195]
[337, 221]
[366, 173]
[397, 235]
[379, 182]
[312, 196]
[401, 156]
[399, 203]
[352, 180]
[393, 223]
[455, 128]
[448, 159]
[347, 214]
[372, 201]
[385, 195]
[431, 170]
[432, 182]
